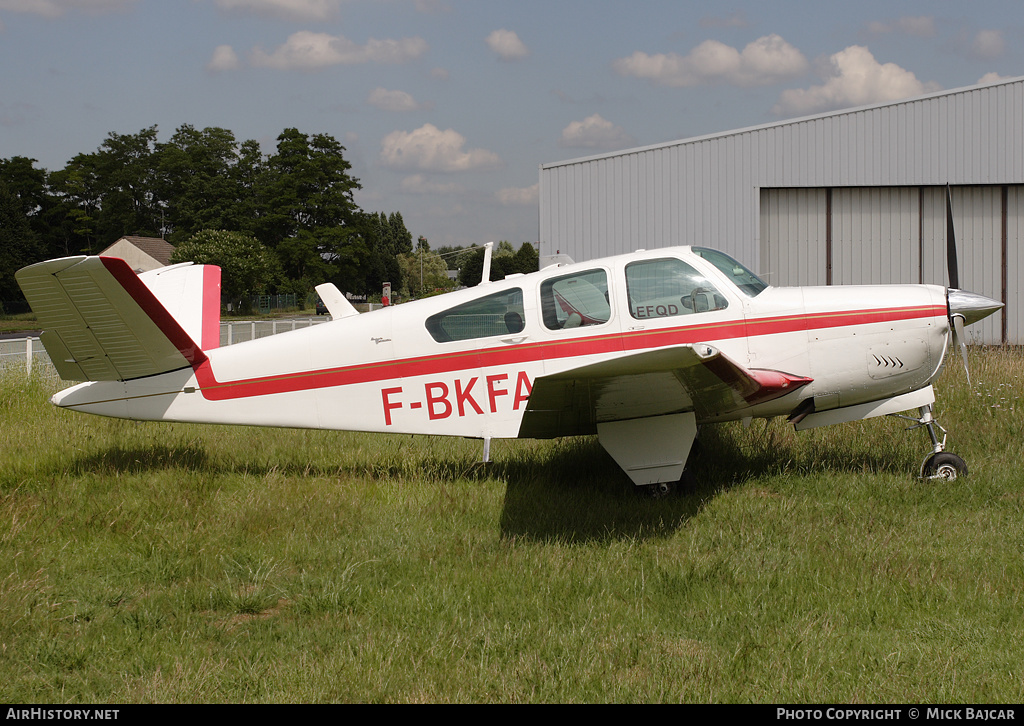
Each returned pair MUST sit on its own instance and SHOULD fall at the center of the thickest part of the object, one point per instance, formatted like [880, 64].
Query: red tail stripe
[146, 300]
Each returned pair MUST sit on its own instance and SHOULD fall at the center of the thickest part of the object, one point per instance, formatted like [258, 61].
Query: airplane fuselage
[458, 364]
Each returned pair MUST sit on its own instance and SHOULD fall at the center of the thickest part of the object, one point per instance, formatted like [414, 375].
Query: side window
[574, 301]
[497, 314]
[668, 287]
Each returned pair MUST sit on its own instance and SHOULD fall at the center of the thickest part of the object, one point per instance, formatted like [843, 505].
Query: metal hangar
[854, 196]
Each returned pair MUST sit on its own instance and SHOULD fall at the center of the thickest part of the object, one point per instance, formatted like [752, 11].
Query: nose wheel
[943, 465]
[940, 464]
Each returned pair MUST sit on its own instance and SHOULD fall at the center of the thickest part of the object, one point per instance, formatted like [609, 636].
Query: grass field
[180, 563]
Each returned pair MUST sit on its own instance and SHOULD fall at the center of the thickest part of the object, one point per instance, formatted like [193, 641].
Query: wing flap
[670, 380]
[101, 322]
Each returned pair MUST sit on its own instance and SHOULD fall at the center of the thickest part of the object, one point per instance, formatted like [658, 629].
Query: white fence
[28, 353]
[240, 331]
[23, 354]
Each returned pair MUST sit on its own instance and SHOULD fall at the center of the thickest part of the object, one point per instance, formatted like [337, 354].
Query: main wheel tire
[687, 484]
[944, 465]
[661, 490]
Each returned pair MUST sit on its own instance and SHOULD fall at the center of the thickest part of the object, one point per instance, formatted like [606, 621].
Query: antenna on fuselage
[486, 276]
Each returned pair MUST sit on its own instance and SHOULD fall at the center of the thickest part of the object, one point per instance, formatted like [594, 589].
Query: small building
[141, 253]
[854, 196]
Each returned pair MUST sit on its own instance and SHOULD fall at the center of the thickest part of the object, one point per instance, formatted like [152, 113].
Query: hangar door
[880, 235]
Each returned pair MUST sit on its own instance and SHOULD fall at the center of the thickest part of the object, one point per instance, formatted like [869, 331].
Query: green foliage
[387, 238]
[247, 267]
[507, 262]
[19, 246]
[117, 185]
[424, 272]
[208, 180]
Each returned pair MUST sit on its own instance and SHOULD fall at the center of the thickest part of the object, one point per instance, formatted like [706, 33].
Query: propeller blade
[958, 337]
[951, 261]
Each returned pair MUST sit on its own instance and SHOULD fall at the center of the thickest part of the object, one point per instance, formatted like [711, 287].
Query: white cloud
[306, 50]
[855, 79]
[507, 45]
[767, 60]
[922, 26]
[302, 10]
[430, 149]
[595, 132]
[399, 101]
[988, 44]
[518, 196]
[224, 59]
[993, 77]
[419, 184]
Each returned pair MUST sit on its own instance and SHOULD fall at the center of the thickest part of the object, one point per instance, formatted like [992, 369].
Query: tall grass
[180, 563]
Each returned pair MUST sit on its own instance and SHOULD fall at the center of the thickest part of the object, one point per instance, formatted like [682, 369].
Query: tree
[305, 185]
[247, 267]
[527, 259]
[19, 246]
[77, 198]
[26, 184]
[306, 206]
[207, 180]
[523, 261]
[424, 272]
[118, 184]
[387, 238]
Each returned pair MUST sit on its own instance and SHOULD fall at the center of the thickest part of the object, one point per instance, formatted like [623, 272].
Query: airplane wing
[101, 322]
[676, 379]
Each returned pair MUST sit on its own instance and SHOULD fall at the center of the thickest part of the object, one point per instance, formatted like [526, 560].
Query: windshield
[749, 284]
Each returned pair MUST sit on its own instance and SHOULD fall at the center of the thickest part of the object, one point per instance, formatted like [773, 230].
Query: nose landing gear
[940, 464]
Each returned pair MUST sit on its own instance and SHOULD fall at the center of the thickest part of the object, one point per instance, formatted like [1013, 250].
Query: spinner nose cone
[971, 306]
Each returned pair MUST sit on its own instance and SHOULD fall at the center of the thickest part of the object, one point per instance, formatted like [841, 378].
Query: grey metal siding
[793, 226]
[1015, 265]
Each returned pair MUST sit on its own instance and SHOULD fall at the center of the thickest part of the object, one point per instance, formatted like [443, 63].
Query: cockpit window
[575, 301]
[668, 287]
[749, 284]
[497, 314]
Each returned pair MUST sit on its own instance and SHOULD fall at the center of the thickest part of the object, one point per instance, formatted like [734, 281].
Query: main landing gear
[940, 464]
[686, 484]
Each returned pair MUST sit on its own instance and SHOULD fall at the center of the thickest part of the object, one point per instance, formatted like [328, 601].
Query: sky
[447, 108]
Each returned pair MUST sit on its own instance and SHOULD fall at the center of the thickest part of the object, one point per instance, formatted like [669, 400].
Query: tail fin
[102, 322]
[337, 304]
[191, 293]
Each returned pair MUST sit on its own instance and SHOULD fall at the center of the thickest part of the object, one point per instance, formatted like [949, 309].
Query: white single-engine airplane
[640, 349]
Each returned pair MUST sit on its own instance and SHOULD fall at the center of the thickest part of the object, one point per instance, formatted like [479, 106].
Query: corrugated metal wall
[799, 216]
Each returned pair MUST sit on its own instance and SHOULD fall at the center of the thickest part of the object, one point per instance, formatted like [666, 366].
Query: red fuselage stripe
[215, 390]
